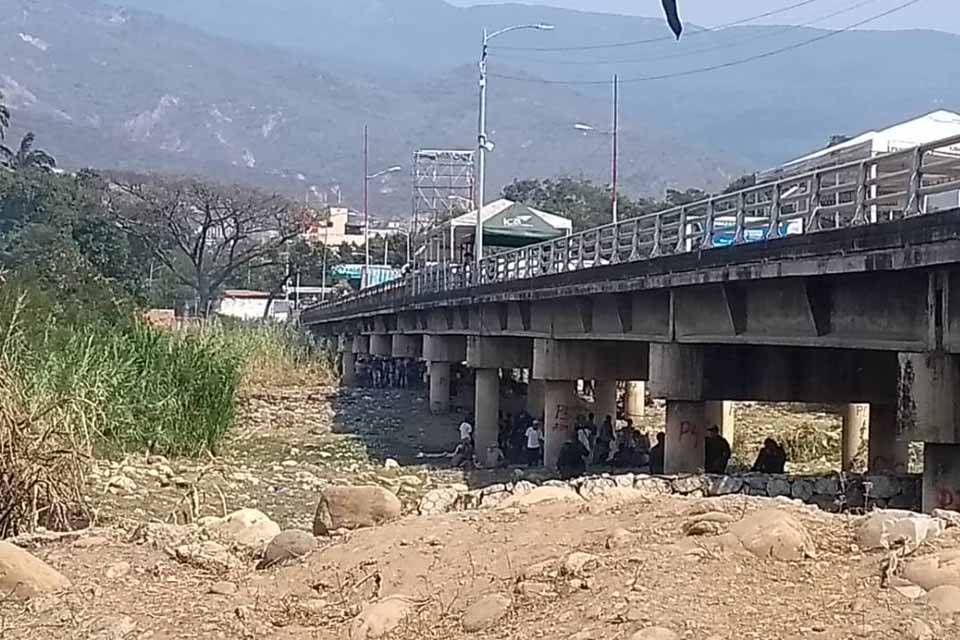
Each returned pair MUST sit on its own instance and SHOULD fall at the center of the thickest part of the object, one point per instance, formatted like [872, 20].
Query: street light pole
[616, 144]
[366, 212]
[483, 144]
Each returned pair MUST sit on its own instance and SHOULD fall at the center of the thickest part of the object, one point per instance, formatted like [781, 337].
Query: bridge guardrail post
[860, 213]
[707, 241]
[739, 235]
[657, 232]
[813, 210]
[681, 231]
[914, 196]
[773, 231]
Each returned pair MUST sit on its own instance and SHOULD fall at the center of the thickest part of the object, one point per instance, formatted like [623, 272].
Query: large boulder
[485, 613]
[945, 599]
[938, 569]
[354, 508]
[288, 546]
[247, 528]
[208, 555]
[541, 495]
[381, 617]
[772, 533]
[885, 529]
[655, 633]
[25, 576]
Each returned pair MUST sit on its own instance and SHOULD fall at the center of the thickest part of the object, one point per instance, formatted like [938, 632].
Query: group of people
[390, 373]
[520, 441]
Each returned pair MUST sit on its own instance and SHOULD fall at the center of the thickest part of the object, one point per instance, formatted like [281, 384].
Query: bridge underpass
[862, 314]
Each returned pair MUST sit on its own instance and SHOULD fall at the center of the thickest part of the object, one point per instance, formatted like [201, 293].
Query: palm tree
[26, 157]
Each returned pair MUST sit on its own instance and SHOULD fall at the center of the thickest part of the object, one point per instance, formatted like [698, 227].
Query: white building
[245, 304]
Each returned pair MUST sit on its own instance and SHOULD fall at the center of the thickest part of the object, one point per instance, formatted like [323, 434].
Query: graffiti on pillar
[561, 418]
[689, 430]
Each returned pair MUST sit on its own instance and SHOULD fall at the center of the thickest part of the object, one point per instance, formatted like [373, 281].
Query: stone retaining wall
[835, 492]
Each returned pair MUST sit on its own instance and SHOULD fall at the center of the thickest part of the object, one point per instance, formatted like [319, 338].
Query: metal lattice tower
[443, 184]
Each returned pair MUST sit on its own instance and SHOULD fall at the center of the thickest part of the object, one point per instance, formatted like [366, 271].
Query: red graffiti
[947, 499]
[689, 429]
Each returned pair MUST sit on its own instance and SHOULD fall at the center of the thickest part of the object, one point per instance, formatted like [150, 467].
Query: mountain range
[276, 93]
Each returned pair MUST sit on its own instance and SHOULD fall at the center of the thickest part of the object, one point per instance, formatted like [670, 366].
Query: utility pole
[616, 145]
[366, 212]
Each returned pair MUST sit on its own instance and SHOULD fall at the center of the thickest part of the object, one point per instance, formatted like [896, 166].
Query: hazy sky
[927, 14]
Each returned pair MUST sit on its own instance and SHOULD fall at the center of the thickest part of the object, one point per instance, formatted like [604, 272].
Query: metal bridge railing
[882, 189]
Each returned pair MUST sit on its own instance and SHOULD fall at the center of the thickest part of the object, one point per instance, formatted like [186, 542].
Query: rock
[287, 546]
[708, 524]
[722, 485]
[523, 487]
[157, 460]
[655, 633]
[774, 534]
[918, 630]
[122, 483]
[620, 538]
[25, 576]
[390, 463]
[381, 617]
[826, 486]
[442, 500]
[112, 628]
[802, 490]
[950, 518]
[777, 486]
[90, 542]
[578, 563]
[945, 599]
[223, 589]
[624, 480]
[493, 500]
[534, 589]
[208, 555]
[247, 528]
[934, 570]
[540, 495]
[652, 486]
[884, 487]
[546, 568]
[485, 613]
[885, 529]
[117, 570]
[591, 488]
[354, 508]
[688, 484]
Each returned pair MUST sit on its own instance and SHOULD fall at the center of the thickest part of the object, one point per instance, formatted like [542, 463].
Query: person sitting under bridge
[771, 459]
[716, 451]
[656, 455]
[573, 458]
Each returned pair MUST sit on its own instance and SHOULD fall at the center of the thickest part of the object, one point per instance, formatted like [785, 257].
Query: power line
[685, 54]
[631, 43]
[725, 65]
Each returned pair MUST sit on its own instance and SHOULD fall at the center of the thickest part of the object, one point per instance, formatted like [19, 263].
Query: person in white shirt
[533, 444]
[466, 429]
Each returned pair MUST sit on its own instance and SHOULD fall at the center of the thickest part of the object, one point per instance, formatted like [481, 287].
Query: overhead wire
[724, 65]
[685, 54]
[632, 43]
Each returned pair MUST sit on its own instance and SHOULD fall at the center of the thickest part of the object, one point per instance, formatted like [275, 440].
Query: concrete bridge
[837, 286]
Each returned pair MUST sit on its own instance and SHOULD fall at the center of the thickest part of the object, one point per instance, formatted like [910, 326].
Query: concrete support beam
[887, 454]
[929, 408]
[635, 400]
[487, 410]
[406, 346]
[344, 344]
[361, 345]
[722, 414]
[348, 376]
[941, 477]
[439, 388]
[856, 422]
[560, 413]
[684, 447]
[381, 345]
[499, 353]
[590, 360]
[536, 390]
[676, 371]
[605, 400]
[444, 348]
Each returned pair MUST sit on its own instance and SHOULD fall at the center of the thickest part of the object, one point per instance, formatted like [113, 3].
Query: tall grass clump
[272, 355]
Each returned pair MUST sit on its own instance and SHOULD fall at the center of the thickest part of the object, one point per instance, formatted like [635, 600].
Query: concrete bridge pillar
[348, 361]
[361, 345]
[535, 398]
[887, 454]
[635, 400]
[439, 388]
[941, 477]
[856, 421]
[486, 411]
[440, 352]
[560, 412]
[381, 345]
[605, 400]
[686, 432]
[722, 414]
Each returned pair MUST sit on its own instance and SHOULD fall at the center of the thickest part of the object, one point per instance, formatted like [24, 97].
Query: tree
[741, 183]
[4, 117]
[205, 234]
[26, 157]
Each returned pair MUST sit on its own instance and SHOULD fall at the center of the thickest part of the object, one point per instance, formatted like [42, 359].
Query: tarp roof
[905, 135]
[507, 223]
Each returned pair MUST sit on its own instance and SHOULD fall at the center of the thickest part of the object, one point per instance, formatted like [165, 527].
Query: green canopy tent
[518, 226]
